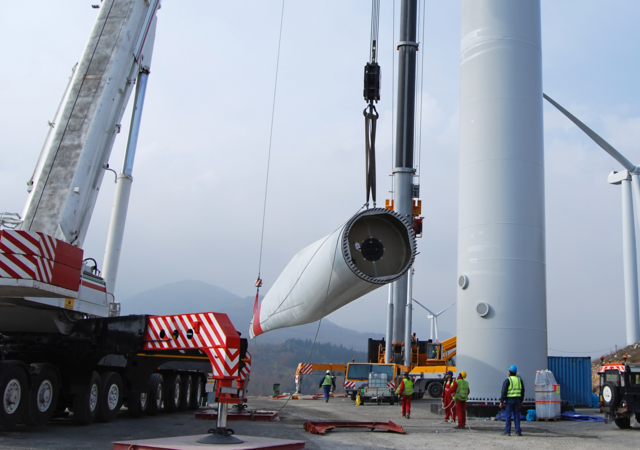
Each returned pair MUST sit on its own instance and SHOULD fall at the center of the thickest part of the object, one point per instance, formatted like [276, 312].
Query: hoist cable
[421, 96]
[375, 28]
[266, 183]
[371, 95]
[393, 89]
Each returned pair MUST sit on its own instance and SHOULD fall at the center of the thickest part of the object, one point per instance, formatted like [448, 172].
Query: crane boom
[69, 175]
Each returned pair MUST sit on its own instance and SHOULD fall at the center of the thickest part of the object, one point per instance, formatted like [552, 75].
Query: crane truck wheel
[137, 403]
[185, 392]
[171, 395]
[154, 397]
[85, 406]
[43, 395]
[434, 390]
[196, 393]
[111, 396]
[14, 389]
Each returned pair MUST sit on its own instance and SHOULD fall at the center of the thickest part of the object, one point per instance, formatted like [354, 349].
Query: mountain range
[196, 296]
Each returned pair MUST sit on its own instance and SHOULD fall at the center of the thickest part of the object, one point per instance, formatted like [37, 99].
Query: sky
[199, 176]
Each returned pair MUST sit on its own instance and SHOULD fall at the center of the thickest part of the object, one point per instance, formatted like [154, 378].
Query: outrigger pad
[322, 427]
[219, 436]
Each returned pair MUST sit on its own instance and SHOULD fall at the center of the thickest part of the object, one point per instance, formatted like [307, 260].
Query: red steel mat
[322, 427]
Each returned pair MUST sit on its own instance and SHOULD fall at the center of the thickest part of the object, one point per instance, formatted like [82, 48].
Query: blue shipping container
[574, 376]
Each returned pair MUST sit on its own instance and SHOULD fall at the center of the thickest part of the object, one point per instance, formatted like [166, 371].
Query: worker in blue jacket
[512, 395]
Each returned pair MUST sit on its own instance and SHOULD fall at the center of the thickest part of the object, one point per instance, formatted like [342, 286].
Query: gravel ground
[424, 430]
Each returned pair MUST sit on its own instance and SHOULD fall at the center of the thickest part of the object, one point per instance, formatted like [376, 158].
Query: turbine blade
[424, 307]
[594, 136]
[445, 309]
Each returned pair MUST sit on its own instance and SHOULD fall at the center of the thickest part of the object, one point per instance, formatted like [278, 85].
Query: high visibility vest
[327, 380]
[448, 384]
[515, 387]
[462, 392]
[408, 387]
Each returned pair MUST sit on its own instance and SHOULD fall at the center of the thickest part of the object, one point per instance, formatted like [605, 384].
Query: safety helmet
[449, 372]
[328, 372]
[463, 374]
[513, 369]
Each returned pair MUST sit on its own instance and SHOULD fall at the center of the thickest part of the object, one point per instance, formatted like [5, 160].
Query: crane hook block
[372, 82]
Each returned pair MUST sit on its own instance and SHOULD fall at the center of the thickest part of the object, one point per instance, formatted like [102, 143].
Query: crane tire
[137, 403]
[172, 392]
[111, 396]
[435, 390]
[197, 392]
[186, 390]
[14, 392]
[43, 395]
[154, 396]
[85, 406]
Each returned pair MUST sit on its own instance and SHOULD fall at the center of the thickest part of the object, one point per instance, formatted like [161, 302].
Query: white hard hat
[329, 372]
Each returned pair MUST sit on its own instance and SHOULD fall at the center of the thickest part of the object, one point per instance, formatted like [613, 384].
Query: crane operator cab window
[434, 351]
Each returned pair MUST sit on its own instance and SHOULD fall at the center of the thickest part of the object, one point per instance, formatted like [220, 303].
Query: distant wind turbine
[433, 317]
[630, 181]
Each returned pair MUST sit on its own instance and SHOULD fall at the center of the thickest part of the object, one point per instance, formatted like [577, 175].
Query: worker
[461, 396]
[406, 390]
[449, 389]
[512, 395]
[326, 383]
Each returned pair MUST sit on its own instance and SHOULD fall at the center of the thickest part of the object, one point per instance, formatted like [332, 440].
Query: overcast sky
[196, 206]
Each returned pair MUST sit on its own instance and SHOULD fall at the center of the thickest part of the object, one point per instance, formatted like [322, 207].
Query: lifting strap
[370, 120]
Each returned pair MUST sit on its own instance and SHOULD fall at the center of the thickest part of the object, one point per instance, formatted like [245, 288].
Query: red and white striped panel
[246, 370]
[212, 333]
[391, 384]
[305, 369]
[618, 367]
[350, 384]
[224, 361]
[26, 267]
[28, 243]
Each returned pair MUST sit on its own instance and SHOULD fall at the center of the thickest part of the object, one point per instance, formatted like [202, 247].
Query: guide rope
[258, 283]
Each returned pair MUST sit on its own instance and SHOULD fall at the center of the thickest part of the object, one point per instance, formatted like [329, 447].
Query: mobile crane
[63, 342]
[429, 363]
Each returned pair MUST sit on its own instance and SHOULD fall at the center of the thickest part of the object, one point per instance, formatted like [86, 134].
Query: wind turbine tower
[502, 313]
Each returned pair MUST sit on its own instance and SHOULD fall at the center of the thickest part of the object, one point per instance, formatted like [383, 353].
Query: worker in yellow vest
[406, 390]
[512, 395]
[461, 396]
[326, 384]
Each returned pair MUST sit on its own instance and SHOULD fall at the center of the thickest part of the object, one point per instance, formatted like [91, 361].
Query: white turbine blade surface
[594, 136]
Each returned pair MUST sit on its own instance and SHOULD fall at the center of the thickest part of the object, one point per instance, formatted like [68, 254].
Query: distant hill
[193, 296]
[277, 363]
